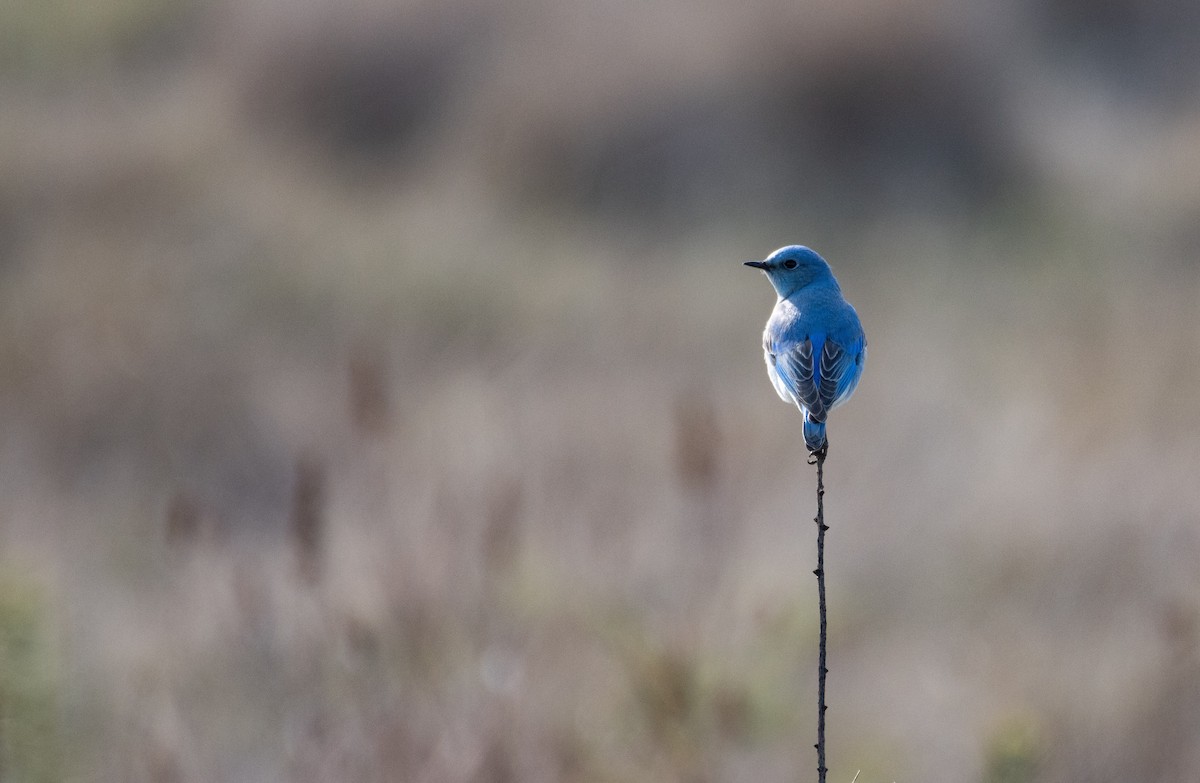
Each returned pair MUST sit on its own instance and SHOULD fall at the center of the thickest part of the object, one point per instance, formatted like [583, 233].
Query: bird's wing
[846, 369]
[821, 385]
[795, 370]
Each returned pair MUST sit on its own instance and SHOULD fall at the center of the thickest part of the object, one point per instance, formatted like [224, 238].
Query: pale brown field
[382, 396]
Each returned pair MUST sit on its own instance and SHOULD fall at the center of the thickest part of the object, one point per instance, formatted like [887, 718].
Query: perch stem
[820, 572]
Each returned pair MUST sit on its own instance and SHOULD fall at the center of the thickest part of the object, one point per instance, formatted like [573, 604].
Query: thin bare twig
[820, 572]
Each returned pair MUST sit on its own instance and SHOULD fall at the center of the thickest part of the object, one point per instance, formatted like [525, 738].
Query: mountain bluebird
[814, 343]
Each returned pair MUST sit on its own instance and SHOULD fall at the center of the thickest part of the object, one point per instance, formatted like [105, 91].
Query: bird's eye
[789, 264]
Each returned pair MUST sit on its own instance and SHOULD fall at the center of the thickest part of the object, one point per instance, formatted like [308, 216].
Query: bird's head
[793, 267]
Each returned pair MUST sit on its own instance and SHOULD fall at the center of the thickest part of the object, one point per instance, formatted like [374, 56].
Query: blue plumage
[813, 344]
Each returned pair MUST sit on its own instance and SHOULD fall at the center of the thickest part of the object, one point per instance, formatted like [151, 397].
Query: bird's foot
[817, 455]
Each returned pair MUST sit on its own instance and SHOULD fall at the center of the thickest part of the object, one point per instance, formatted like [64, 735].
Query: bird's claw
[817, 455]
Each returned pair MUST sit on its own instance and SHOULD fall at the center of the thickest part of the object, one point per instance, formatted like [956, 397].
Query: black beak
[757, 264]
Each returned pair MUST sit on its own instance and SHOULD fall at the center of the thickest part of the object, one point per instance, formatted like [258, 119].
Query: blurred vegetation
[1013, 755]
[30, 736]
[54, 40]
[381, 395]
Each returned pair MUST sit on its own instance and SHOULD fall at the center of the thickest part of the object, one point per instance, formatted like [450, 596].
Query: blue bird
[814, 344]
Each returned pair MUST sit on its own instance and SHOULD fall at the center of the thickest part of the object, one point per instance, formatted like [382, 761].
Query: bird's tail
[814, 434]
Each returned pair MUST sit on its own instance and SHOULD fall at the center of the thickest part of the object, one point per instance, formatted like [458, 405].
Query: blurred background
[381, 392]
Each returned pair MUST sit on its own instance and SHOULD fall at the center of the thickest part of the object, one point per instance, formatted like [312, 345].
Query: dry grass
[310, 477]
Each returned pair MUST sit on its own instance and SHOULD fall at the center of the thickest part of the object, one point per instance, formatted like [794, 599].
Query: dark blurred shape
[502, 534]
[667, 691]
[687, 158]
[1180, 625]
[853, 132]
[361, 637]
[913, 124]
[570, 756]
[370, 400]
[498, 765]
[365, 94]
[251, 594]
[12, 232]
[160, 34]
[308, 516]
[734, 712]
[421, 629]
[707, 535]
[675, 708]
[1145, 48]
[183, 519]
[697, 442]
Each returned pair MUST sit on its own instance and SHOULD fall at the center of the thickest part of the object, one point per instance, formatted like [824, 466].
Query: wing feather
[822, 385]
